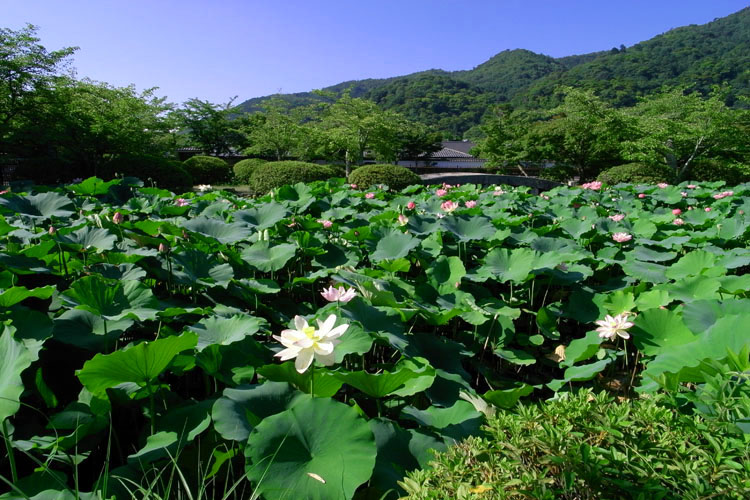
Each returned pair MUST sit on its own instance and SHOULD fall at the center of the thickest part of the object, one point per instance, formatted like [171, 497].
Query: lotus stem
[11, 457]
[312, 380]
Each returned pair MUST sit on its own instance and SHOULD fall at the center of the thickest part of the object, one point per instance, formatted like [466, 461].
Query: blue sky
[218, 49]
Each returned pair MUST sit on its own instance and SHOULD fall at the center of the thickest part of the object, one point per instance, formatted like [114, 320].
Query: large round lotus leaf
[319, 449]
[261, 217]
[14, 358]
[268, 258]
[219, 230]
[224, 331]
[39, 206]
[87, 238]
[469, 228]
[140, 364]
[394, 245]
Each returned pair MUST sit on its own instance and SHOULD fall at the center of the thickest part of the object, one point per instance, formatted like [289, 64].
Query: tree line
[52, 122]
[674, 129]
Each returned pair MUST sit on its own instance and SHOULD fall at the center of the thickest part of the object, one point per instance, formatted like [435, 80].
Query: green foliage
[279, 173]
[636, 173]
[675, 129]
[394, 176]
[589, 446]
[207, 169]
[211, 127]
[243, 169]
[716, 170]
[558, 173]
[447, 104]
[162, 172]
[697, 57]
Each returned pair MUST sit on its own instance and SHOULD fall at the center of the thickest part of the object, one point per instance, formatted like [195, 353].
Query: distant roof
[462, 146]
[454, 150]
[449, 153]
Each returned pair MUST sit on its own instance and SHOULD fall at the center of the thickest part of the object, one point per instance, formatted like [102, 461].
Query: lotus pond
[191, 346]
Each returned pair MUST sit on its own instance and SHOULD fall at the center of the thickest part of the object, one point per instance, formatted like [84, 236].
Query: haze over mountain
[696, 56]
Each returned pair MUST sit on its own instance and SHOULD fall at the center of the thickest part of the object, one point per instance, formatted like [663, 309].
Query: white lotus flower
[610, 327]
[306, 343]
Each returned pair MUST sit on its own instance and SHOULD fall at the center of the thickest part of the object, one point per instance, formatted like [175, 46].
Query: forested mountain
[693, 56]
[696, 57]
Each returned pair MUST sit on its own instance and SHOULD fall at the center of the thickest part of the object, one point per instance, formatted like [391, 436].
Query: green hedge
[636, 173]
[243, 169]
[207, 169]
[588, 446]
[163, 172]
[393, 176]
[279, 173]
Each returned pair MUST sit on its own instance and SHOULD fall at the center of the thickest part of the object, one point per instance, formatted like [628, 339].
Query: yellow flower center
[309, 331]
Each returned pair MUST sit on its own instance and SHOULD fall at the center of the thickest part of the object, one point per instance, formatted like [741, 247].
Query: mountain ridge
[694, 56]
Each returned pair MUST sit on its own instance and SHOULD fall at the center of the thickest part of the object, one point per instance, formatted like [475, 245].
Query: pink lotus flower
[621, 237]
[610, 327]
[723, 194]
[326, 223]
[339, 294]
[470, 204]
[370, 196]
[353, 186]
[593, 185]
[411, 205]
[641, 196]
[182, 202]
[403, 220]
[117, 218]
[441, 192]
[163, 248]
[692, 186]
[449, 206]
[498, 192]
[678, 222]
[617, 217]
[544, 196]
[708, 209]
[51, 230]
[684, 194]
[5, 191]
[447, 186]
[676, 211]
[662, 185]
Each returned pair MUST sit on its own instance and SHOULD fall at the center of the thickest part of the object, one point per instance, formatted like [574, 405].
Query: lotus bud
[163, 248]
[51, 230]
[118, 218]
[411, 205]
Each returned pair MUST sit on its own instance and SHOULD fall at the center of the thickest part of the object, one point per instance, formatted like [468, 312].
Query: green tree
[352, 125]
[215, 128]
[583, 133]
[27, 73]
[276, 131]
[83, 124]
[678, 129]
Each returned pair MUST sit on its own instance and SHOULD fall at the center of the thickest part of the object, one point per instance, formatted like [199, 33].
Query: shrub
[636, 173]
[279, 173]
[393, 176]
[164, 172]
[207, 169]
[243, 169]
[558, 173]
[713, 170]
[586, 446]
